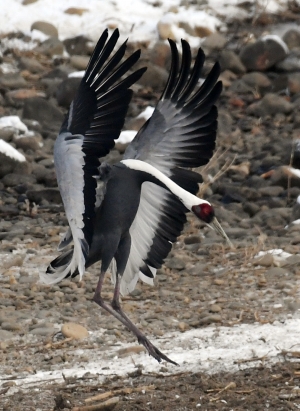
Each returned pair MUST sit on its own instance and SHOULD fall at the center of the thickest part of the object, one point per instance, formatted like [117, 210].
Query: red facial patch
[204, 211]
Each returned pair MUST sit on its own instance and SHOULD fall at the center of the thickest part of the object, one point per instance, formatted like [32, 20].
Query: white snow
[126, 137]
[278, 254]
[212, 349]
[137, 19]
[279, 40]
[13, 122]
[78, 74]
[293, 171]
[295, 222]
[10, 151]
[147, 113]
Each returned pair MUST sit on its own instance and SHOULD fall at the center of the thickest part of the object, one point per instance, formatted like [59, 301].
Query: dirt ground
[227, 288]
[256, 389]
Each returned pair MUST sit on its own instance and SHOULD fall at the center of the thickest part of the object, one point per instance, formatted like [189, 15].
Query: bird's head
[205, 212]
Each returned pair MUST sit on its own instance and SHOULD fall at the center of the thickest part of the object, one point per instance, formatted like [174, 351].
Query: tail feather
[61, 267]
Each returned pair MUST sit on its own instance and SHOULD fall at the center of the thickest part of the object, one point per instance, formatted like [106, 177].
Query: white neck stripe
[188, 199]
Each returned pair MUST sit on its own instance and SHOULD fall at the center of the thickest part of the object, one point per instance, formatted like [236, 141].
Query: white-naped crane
[138, 209]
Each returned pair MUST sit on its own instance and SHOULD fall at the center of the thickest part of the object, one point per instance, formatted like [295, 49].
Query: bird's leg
[142, 339]
[99, 300]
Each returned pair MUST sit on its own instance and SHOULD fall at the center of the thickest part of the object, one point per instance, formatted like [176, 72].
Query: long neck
[184, 196]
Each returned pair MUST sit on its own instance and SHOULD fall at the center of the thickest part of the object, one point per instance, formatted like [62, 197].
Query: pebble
[215, 308]
[79, 62]
[43, 331]
[229, 60]
[10, 260]
[125, 352]
[208, 319]
[191, 289]
[73, 330]
[45, 27]
[6, 335]
[10, 326]
[51, 47]
[12, 81]
[263, 53]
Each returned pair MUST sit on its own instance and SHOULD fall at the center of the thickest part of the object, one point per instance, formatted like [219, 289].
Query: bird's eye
[204, 211]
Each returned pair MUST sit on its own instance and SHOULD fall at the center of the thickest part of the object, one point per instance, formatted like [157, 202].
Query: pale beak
[215, 225]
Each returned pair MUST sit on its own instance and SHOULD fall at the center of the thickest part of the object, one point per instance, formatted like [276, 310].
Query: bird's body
[128, 215]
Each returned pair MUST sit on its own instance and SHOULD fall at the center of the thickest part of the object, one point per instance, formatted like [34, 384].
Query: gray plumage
[129, 214]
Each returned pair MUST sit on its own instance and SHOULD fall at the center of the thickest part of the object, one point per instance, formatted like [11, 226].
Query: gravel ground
[202, 284]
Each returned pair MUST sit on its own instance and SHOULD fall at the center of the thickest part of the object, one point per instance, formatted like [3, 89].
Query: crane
[129, 214]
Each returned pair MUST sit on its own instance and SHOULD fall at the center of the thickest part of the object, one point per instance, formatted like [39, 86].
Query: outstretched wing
[180, 133]
[94, 121]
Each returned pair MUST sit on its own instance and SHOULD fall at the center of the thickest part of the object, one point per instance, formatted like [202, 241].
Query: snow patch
[126, 137]
[10, 151]
[211, 350]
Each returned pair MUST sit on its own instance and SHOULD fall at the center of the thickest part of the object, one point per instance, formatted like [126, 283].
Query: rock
[79, 45]
[28, 143]
[183, 326]
[79, 62]
[6, 335]
[72, 330]
[263, 53]
[257, 81]
[7, 134]
[225, 123]
[266, 260]
[45, 27]
[270, 104]
[125, 352]
[67, 90]
[155, 77]
[50, 47]
[14, 179]
[26, 2]
[12, 81]
[31, 64]
[10, 260]
[294, 83]
[52, 195]
[292, 38]
[289, 64]
[236, 232]
[23, 167]
[17, 96]
[192, 239]
[160, 54]
[44, 112]
[215, 308]
[58, 73]
[209, 319]
[76, 10]
[251, 208]
[276, 272]
[165, 27]
[202, 31]
[7, 164]
[43, 331]
[231, 61]
[227, 77]
[10, 326]
[40, 172]
[50, 86]
[215, 41]
[175, 263]
[272, 191]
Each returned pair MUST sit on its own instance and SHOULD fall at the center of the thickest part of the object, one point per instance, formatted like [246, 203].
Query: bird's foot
[152, 350]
